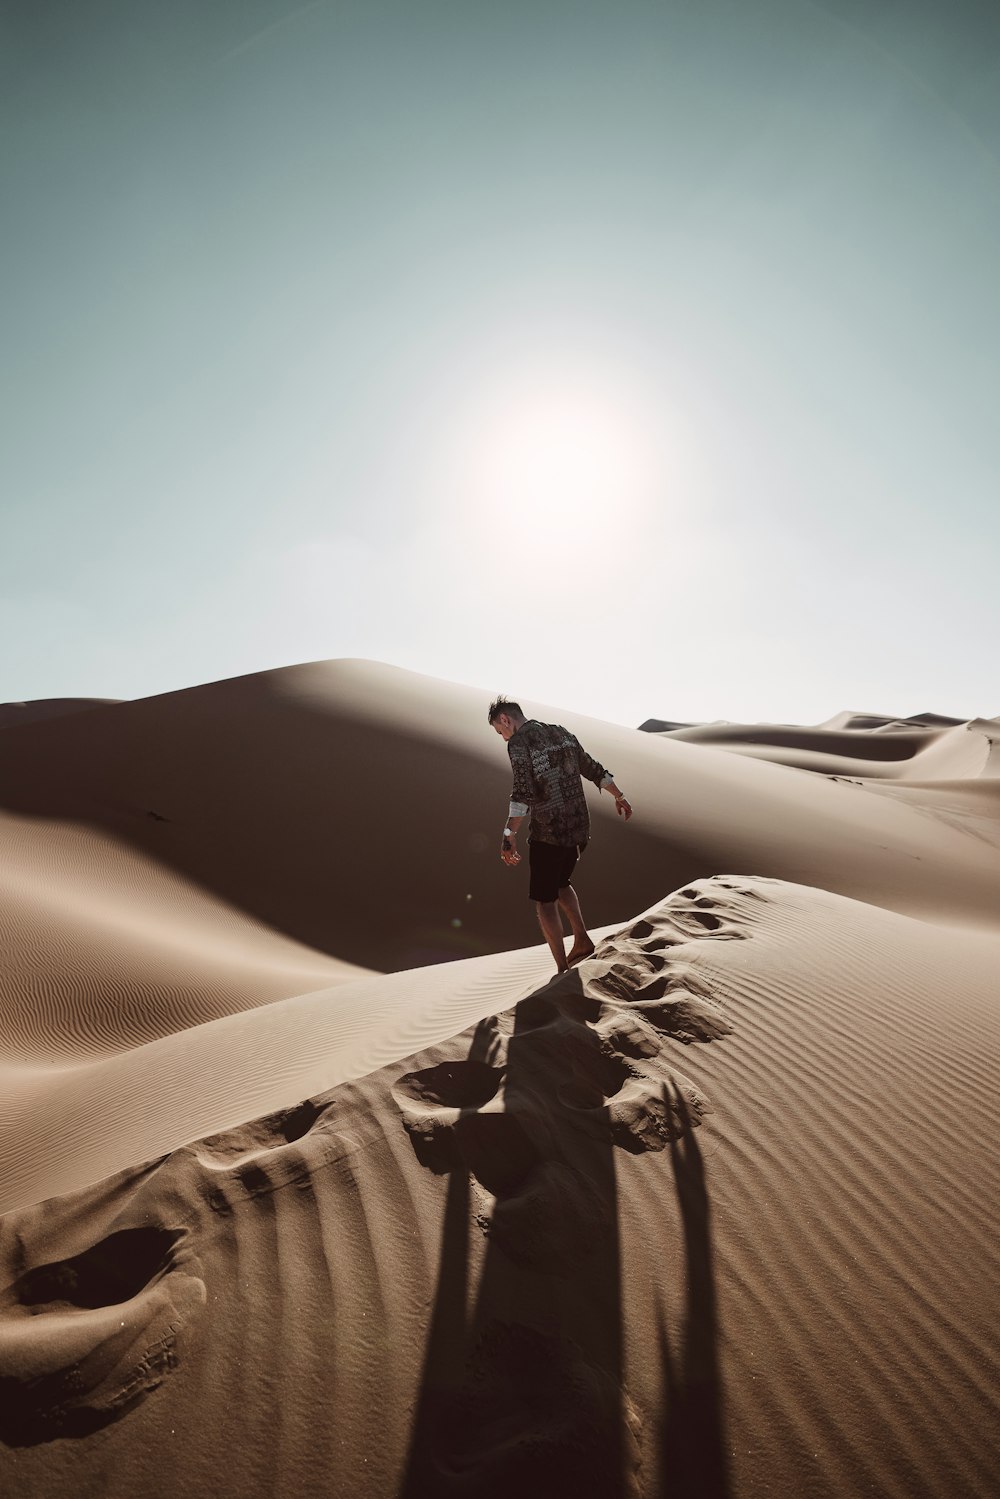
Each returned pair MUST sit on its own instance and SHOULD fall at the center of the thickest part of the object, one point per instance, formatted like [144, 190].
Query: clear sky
[641, 358]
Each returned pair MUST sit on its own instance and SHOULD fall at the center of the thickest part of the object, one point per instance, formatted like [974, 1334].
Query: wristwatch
[507, 833]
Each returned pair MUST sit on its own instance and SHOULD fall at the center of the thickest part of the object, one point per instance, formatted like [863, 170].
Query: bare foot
[576, 953]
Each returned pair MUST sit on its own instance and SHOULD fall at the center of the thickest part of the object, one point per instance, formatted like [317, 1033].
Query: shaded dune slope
[105, 949]
[714, 1214]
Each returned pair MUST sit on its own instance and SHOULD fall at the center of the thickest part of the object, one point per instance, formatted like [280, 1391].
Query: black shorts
[551, 865]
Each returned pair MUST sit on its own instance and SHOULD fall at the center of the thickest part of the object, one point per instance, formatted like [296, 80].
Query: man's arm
[595, 771]
[522, 789]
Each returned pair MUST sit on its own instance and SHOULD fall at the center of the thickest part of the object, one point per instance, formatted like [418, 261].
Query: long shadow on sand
[522, 1389]
[692, 1454]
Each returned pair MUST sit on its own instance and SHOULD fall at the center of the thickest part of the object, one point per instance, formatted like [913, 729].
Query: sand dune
[309, 1161]
[106, 949]
[884, 749]
[14, 714]
[309, 797]
[62, 1127]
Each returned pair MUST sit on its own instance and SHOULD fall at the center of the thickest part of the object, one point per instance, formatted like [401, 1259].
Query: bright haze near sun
[551, 463]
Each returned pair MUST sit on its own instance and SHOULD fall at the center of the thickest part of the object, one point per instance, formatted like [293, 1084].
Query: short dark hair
[504, 705]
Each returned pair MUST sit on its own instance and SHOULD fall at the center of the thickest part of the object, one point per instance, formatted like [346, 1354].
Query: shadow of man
[521, 1389]
[693, 1461]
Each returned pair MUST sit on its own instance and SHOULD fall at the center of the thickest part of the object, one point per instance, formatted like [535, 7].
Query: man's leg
[550, 922]
[582, 945]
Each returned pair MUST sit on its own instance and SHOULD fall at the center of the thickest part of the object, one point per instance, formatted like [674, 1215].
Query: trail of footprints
[579, 1065]
[84, 1338]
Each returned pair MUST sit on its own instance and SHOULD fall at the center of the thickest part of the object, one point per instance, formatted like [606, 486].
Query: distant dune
[859, 744]
[13, 714]
[315, 1179]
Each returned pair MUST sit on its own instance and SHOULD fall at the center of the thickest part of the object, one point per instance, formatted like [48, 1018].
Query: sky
[638, 358]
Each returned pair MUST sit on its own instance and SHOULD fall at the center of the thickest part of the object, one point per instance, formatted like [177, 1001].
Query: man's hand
[623, 807]
[508, 852]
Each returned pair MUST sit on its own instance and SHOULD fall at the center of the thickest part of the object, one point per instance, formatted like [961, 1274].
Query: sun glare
[547, 464]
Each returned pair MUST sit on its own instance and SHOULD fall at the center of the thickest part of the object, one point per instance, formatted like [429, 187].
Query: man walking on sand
[548, 761]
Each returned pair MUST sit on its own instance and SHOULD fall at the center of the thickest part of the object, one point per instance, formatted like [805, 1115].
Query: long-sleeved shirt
[548, 761]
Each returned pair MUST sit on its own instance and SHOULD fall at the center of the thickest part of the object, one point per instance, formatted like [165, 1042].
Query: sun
[552, 462]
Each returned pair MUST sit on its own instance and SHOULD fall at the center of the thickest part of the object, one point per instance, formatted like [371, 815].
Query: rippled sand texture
[713, 1214]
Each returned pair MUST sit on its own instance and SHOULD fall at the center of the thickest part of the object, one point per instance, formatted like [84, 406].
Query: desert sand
[317, 1180]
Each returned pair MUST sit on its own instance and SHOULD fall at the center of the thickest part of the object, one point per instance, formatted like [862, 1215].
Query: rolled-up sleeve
[590, 768]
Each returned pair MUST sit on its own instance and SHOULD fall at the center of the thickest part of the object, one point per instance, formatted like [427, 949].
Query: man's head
[506, 717]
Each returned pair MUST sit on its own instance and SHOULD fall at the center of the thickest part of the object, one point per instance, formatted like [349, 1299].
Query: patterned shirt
[548, 761]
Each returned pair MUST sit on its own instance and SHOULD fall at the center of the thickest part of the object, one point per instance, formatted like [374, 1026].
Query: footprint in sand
[694, 912]
[541, 1212]
[575, 1084]
[666, 1000]
[289, 1146]
[456, 1117]
[451, 1086]
[258, 1137]
[639, 1106]
[84, 1339]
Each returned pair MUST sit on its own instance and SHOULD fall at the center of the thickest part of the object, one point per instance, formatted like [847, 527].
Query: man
[548, 761]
